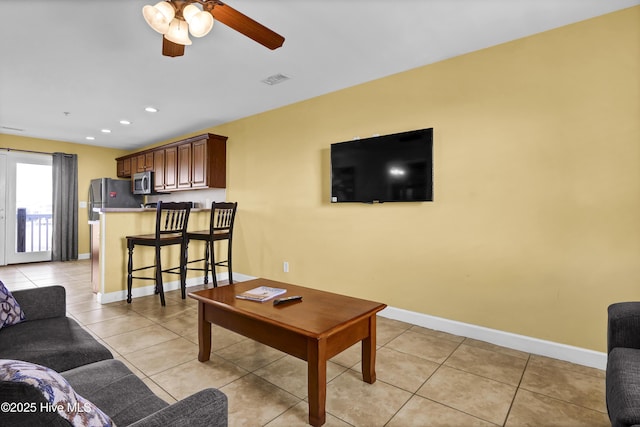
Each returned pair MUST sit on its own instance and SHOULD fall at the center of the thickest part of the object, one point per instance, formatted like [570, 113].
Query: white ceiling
[69, 68]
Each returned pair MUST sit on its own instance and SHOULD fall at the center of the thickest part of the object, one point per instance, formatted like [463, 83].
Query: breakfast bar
[109, 250]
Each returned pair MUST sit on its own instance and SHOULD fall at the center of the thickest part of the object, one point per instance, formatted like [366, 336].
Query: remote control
[279, 301]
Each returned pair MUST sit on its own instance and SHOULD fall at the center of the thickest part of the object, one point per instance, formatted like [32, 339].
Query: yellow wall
[93, 162]
[535, 227]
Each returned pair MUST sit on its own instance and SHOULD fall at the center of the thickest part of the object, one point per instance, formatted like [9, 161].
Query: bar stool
[220, 228]
[171, 229]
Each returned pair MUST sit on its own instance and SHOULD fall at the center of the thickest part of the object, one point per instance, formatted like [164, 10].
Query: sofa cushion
[58, 343]
[10, 311]
[206, 408]
[112, 387]
[623, 386]
[42, 303]
[59, 395]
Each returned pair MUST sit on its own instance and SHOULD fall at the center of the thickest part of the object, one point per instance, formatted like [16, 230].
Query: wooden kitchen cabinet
[216, 162]
[134, 165]
[202, 162]
[184, 165]
[199, 163]
[124, 167]
[148, 161]
[165, 169]
[191, 163]
[171, 168]
[140, 162]
[144, 162]
[158, 170]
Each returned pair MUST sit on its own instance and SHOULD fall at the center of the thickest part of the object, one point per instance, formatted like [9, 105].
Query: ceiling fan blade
[245, 25]
[170, 48]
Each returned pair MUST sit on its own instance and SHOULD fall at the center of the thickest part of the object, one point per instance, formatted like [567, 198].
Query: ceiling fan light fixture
[200, 22]
[159, 16]
[178, 32]
[177, 19]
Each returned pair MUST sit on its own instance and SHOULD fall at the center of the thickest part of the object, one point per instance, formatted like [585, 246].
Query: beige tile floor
[425, 377]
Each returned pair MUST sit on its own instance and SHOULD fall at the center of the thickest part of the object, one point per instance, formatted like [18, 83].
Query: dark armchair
[623, 364]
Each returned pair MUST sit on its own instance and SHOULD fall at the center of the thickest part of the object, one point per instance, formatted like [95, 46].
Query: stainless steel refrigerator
[111, 193]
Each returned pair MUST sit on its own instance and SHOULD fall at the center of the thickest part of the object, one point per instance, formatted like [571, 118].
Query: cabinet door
[171, 168]
[134, 164]
[184, 166]
[126, 167]
[148, 161]
[158, 170]
[144, 162]
[120, 168]
[199, 163]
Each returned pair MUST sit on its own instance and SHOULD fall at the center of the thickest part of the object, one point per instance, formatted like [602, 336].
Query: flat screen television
[389, 168]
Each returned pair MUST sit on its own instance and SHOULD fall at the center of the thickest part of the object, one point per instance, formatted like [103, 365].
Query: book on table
[261, 293]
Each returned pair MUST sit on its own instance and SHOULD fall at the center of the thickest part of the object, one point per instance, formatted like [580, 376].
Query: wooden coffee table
[315, 329]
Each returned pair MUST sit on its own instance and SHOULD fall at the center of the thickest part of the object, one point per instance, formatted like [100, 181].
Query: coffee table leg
[204, 334]
[369, 353]
[317, 380]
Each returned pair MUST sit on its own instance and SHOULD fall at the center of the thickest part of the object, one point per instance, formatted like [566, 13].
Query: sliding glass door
[26, 207]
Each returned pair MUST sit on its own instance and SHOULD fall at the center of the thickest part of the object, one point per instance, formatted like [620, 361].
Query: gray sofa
[48, 338]
[623, 364]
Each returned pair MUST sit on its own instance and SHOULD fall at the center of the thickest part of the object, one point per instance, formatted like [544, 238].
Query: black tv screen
[389, 168]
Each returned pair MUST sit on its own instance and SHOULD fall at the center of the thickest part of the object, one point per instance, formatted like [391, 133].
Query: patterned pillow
[10, 311]
[55, 390]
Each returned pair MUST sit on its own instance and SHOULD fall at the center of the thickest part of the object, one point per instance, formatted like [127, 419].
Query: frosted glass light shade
[190, 11]
[178, 32]
[159, 16]
[200, 22]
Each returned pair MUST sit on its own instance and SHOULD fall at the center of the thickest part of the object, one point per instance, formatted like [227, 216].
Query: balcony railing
[35, 231]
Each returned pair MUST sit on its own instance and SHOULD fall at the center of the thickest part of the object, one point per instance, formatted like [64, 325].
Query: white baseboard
[84, 256]
[580, 356]
[173, 285]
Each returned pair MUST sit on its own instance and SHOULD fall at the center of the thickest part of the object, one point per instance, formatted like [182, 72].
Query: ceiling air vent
[275, 79]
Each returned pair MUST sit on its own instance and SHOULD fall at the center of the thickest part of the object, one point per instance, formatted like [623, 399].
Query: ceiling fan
[176, 19]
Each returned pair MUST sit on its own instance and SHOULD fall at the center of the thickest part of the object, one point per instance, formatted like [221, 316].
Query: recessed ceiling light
[106, 131]
[125, 122]
[151, 110]
[90, 138]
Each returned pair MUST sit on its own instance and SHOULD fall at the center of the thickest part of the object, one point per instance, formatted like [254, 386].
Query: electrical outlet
[285, 266]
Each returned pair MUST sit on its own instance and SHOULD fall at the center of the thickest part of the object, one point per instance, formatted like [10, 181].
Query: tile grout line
[518, 388]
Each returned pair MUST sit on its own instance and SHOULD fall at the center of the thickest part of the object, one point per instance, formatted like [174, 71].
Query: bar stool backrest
[172, 218]
[223, 215]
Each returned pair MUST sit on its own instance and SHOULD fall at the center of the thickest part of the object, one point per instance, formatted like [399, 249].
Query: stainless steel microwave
[142, 182]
